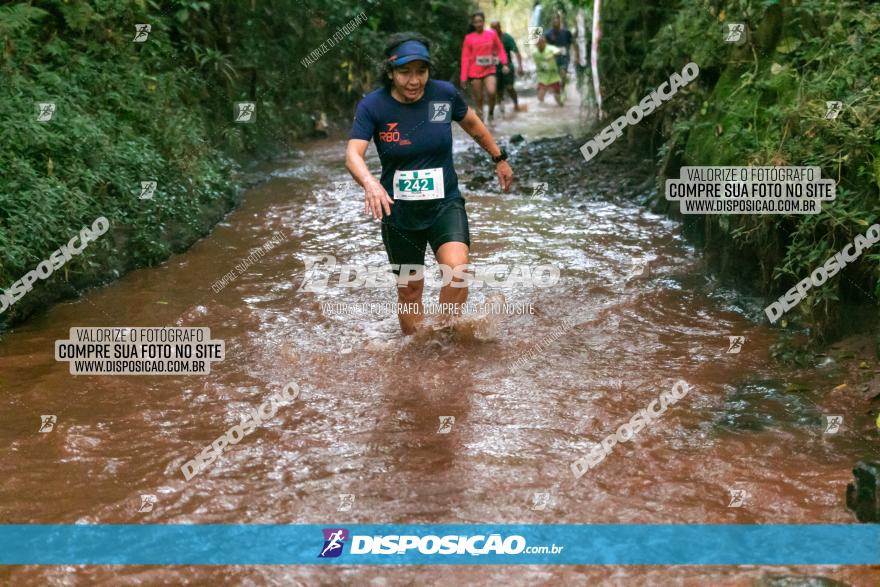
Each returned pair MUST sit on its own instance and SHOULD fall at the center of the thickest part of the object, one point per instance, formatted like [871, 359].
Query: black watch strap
[501, 157]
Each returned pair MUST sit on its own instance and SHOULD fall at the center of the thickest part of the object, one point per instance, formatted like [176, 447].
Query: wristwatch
[501, 157]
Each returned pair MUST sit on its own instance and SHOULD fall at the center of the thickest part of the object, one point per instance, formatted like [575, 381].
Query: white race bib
[486, 60]
[419, 184]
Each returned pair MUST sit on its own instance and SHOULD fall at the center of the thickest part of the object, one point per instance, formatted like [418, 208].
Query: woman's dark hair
[471, 27]
[392, 44]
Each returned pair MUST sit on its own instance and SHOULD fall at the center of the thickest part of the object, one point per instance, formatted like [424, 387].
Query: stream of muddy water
[633, 312]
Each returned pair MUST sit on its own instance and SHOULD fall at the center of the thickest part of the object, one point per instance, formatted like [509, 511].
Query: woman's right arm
[375, 197]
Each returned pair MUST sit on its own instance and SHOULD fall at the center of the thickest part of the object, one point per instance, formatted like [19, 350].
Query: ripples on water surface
[367, 417]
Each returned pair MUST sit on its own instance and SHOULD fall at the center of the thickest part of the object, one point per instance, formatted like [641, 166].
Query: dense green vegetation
[162, 110]
[763, 103]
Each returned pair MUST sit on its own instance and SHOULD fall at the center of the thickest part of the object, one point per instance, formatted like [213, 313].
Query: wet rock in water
[560, 158]
[799, 581]
[863, 496]
[479, 181]
[192, 315]
[872, 389]
[759, 405]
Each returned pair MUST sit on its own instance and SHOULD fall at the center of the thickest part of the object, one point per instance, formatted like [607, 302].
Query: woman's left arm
[473, 126]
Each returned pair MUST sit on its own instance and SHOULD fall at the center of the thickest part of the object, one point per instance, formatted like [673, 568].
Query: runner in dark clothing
[506, 80]
[561, 37]
[410, 120]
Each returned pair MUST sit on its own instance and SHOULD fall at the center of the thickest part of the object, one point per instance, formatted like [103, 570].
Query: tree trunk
[594, 58]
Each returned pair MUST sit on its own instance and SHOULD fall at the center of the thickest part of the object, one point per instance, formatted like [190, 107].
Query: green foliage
[764, 104]
[19, 18]
[162, 110]
[117, 123]
[793, 349]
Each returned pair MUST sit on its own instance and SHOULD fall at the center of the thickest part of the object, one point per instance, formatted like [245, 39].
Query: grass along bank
[133, 105]
[763, 102]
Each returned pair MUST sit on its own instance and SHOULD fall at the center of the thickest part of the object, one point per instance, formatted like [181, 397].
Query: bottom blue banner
[271, 544]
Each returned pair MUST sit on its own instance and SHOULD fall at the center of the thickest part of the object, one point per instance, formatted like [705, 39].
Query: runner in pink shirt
[481, 51]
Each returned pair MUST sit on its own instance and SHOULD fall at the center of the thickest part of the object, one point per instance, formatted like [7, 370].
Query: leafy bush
[162, 110]
[764, 104]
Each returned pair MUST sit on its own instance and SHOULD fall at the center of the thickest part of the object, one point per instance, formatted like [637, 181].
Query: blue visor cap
[409, 51]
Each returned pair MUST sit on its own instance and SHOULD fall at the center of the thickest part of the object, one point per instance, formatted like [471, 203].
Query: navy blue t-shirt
[563, 39]
[413, 136]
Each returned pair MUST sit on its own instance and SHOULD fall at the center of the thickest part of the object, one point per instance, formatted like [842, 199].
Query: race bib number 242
[419, 184]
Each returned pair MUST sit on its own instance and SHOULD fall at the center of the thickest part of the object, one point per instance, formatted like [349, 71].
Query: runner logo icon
[45, 111]
[734, 32]
[832, 109]
[535, 33]
[736, 344]
[147, 503]
[346, 500]
[245, 112]
[441, 111]
[832, 424]
[142, 32]
[737, 498]
[446, 423]
[148, 188]
[47, 422]
[334, 540]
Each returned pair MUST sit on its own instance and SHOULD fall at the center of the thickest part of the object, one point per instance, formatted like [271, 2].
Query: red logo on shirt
[390, 135]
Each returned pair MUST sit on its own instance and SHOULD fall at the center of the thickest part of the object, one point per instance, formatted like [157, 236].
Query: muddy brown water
[366, 421]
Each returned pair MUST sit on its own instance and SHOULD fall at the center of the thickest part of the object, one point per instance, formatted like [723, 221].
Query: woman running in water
[480, 52]
[547, 70]
[410, 120]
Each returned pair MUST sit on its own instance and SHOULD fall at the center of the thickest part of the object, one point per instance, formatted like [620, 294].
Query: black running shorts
[407, 247]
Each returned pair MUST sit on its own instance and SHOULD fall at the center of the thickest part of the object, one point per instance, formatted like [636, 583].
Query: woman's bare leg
[409, 295]
[491, 89]
[477, 93]
[453, 254]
